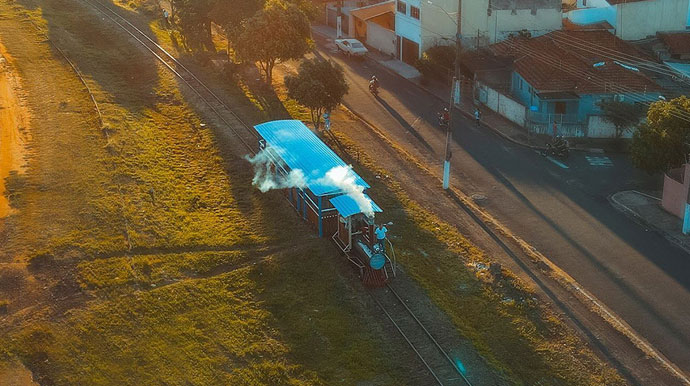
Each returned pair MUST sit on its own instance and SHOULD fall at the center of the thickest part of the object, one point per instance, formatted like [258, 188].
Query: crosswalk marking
[602, 161]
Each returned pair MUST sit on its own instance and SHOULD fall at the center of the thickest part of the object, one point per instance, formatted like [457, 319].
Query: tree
[231, 13]
[278, 32]
[193, 17]
[623, 116]
[319, 85]
[664, 141]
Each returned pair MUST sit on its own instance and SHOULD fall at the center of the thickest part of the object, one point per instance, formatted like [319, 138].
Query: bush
[437, 61]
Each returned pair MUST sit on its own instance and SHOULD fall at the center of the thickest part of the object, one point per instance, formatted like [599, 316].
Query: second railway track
[246, 134]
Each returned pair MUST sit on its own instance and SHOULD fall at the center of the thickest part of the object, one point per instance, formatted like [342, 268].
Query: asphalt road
[562, 210]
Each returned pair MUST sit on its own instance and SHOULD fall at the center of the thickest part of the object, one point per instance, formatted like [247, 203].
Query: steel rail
[428, 334]
[408, 342]
[100, 8]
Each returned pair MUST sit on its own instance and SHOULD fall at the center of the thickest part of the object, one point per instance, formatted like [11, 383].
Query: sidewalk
[647, 210]
[441, 90]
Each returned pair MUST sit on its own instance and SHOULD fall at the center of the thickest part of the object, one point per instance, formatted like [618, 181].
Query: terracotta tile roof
[555, 63]
[677, 43]
[602, 25]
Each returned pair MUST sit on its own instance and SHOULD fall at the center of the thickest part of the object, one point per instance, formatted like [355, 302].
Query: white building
[420, 24]
[634, 19]
[638, 19]
[490, 21]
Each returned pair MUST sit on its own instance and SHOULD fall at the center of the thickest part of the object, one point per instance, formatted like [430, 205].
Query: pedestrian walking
[166, 17]
[555, 129]
[327, 121]
[477, 115]
[381, 231]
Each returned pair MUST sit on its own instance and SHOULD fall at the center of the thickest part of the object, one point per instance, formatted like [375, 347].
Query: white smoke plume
[266, 179]
[342, 177]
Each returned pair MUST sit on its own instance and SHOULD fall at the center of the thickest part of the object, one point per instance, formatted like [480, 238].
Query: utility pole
[339, 20]
[453, 94]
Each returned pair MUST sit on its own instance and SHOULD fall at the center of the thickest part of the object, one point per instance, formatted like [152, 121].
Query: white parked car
[351, 47]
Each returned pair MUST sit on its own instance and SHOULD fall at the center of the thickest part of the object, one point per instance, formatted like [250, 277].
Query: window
[414, 12]
[520, 83]
[402, 7]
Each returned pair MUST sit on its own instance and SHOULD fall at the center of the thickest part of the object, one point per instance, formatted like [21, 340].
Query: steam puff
[341, 177]
[266, 179]
[344, 178]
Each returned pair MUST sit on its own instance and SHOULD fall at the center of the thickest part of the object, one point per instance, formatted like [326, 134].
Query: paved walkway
[648, 211]
[441, 90]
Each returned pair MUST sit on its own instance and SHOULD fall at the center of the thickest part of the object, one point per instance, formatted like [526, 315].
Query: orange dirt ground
[13, 124]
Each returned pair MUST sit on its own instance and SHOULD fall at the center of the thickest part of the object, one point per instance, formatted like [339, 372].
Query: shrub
[436, 61]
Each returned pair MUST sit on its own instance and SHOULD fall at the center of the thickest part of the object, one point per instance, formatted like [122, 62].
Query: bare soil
[15, 374]
[14, 119]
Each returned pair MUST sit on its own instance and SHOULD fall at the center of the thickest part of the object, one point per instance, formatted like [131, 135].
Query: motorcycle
[558, 148]
[442, 120]
[374, 88]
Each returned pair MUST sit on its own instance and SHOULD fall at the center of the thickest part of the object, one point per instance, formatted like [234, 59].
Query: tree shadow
[97, 48]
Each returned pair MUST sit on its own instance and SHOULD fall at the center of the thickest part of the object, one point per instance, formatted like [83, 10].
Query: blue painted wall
[583, 107]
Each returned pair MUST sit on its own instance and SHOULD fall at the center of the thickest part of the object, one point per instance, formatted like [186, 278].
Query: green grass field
[139, 255]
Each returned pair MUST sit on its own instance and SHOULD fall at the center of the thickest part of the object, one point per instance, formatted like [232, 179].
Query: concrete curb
[642, 221]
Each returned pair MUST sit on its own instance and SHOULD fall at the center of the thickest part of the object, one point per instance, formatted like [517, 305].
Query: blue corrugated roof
[347, 206]
[301, 149]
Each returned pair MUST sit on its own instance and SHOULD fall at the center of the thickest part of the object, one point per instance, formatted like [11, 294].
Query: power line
[613, 54]
[590, 77]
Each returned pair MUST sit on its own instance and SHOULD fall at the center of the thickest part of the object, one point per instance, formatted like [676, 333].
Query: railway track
[436, 361]
[246, 135]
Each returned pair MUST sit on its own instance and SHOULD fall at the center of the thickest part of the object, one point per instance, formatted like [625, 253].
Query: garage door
[410, 51]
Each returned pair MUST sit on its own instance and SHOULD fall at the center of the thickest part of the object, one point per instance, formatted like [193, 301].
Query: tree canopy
[319, 85]
[624, 116]
[278, 32]
[664, 141]
[193, 17]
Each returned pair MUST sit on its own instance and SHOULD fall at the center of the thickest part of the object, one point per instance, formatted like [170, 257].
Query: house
[638, 19]
[677, 44]
[420, 24]
[562, 76]
[375, 26]
[491, 21]
[345, 7]
[634, 19]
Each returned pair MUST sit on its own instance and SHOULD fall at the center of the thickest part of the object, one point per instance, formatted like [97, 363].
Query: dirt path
[15, 374]
[13, 123]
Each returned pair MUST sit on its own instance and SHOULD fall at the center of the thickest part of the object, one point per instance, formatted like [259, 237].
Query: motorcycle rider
[374, 84]
[444, 117]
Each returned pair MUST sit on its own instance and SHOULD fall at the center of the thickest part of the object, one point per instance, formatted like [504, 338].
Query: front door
[559, 108]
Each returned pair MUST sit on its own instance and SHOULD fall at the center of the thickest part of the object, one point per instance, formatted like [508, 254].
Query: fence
[567, 125]
[502, 104]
